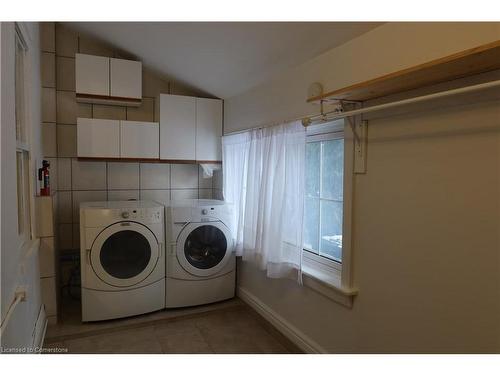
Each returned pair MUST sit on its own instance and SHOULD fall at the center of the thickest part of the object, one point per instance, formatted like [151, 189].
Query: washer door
[124, 254]
[203, 249]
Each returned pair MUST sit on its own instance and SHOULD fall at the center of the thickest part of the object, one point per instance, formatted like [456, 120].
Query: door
[177, 127]
[124, 254]
[92, 74]
[203, 249]
[139, 140]
[208, 129]
[126, 78]
[98, 138]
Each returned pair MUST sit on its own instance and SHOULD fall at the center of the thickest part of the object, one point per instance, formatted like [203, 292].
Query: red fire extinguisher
[43, 177]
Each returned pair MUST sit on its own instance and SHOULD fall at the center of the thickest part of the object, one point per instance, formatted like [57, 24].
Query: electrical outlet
[21, 292]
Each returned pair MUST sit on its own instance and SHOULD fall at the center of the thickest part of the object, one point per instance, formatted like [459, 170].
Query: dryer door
[203, 249]
[124, 254]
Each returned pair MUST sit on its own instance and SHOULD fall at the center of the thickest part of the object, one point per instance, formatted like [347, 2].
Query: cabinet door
[208, 129]
[177, 127]
[139, 139]
[92, 74]
[98, 138]
[126, 78]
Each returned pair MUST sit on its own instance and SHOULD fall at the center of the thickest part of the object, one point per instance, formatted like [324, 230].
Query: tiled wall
[78, 181]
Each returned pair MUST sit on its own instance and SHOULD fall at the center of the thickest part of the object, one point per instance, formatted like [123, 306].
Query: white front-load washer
[122, 258]
[201, 264]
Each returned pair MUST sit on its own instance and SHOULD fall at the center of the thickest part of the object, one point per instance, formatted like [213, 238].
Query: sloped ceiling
[223, 59]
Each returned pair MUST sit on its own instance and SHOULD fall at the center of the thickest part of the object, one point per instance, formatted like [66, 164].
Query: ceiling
[223, 59]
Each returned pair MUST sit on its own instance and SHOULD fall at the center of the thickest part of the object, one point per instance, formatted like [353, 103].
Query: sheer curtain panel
[263, 172]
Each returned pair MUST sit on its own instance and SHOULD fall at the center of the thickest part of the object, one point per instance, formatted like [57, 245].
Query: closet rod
[334, 115]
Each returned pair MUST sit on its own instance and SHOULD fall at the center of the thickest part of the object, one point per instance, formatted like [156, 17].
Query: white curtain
[263, 173]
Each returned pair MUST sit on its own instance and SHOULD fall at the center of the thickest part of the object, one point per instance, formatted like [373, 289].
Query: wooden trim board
[473, 61]
[109, 100]
[291, 332]
[145, 160]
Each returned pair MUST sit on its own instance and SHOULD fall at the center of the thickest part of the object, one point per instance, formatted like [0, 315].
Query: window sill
[328, 284]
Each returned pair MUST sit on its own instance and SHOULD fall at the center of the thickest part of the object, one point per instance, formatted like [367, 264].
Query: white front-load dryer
[122, 259]
[201, 264]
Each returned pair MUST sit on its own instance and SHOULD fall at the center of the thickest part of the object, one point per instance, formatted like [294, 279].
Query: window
[323, 206]
[22, 144]
[327, 211]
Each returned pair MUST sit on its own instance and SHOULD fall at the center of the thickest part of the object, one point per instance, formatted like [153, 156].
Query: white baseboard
[286, 328]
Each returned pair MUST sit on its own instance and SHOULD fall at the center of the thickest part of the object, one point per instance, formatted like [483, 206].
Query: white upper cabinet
[208, 129]
[105, 80]
[139, 140]
[98, 138]
[177, 127]
[92, 75]
[126, 78]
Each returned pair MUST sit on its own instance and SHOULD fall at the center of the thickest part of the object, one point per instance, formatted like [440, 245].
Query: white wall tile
[204, 183]
[123, 195]
[49, 144]
[65, 73]
[217, 180]
[205, 193]
[66, 140]
[155, 176]
[217, 194]
[176, 194]
[123, 176]
[48, 105]
[184, 176]
[65, 239]
[76, 236]
[67, 107]
[64, 207]
[85, 196]
[64, 174]
[161, 196]
[88, 175]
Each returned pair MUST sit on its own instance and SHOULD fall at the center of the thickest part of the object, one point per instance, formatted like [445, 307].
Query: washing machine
[122, 250]
[201, 263]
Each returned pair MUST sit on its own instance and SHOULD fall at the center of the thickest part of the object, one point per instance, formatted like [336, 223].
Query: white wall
[19, 268]
[385, 49]
[426, 214]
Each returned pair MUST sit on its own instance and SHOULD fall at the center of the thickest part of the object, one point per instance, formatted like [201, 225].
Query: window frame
[327, 276]
[23, 139]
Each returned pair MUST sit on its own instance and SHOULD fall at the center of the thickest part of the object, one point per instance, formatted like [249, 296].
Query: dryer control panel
[146, 215]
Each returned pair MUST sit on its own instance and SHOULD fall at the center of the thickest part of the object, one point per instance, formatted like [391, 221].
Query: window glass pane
[19, 91]
[313, 154]
[331, 230]
[311, 224]
[332, 174]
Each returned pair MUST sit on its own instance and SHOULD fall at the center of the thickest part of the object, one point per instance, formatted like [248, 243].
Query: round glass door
[124, 254]
[204, 248]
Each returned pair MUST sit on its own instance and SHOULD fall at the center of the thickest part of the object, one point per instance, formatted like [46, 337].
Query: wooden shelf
[109, 100]
[142, 160]
[476, 60]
